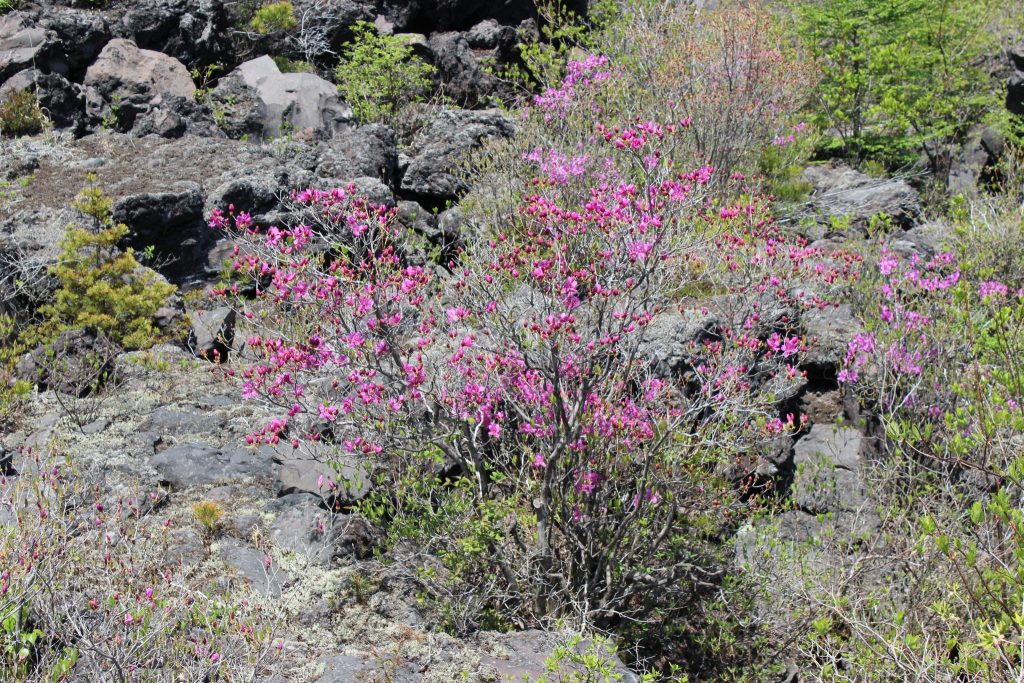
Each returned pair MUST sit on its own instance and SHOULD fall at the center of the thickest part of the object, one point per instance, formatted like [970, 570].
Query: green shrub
[292, 66]
[898, 78]
[100, 285]
[273, 18]
[378, 74]
[542, 58]
[12, 390]
[21, 115]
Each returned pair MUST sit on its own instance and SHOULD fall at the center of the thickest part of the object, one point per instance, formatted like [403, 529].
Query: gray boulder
[23, 44]
[672, 339]
[172, 116]
[198, 464]
[238, 109]
[124, 80]
[524, 655]
[172, 223]
[1016, 55]
[368, 151]
[841, 192]
[80, 36]
[828, 462]
[213, 333]
[431, 16]
[23, 80]
[327, 24]
[292, 102]
[301, 470]
[460, 68]
[976, 161]
[78, 362]
[829, 332]
[63, 102]
[254, 566]
[302, 525]
[346, 668]
[431, 173]
[1015, 93]
[490, 35]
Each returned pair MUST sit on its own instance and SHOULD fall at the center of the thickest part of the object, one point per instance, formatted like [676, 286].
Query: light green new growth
[378, 75]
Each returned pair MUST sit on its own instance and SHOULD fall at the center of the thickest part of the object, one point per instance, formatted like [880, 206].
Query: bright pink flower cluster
[580, 74]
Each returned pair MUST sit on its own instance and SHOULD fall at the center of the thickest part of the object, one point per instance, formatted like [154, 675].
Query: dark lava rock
[78, 362]
[431, 172]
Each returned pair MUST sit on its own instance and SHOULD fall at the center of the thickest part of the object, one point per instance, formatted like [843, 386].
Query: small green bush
[275, 17]
[292, 66]
[898, 78]
[100, 285]
[378, 74]
[21, 114]
[12, 390]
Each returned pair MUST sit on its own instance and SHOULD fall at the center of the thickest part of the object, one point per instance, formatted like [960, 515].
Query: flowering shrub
[934, 592]
[734, 73]
[87, 591]
[509, 412]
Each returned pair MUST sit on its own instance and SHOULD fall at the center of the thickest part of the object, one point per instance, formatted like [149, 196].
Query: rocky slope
[118, 85]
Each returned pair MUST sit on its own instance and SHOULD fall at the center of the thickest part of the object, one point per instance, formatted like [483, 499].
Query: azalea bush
[931, 590]
[735, 72]
[506, 403]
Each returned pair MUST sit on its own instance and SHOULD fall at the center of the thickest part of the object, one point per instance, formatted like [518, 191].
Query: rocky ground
[118, 85]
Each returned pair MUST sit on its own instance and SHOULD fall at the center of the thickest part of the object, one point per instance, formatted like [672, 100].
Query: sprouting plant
[100, 285]
[208, 513]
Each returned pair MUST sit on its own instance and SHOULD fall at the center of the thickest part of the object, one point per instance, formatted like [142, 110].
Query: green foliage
[21, 115]
[100, 285]
[12, 390]
[292, 66]
[204, 80]
[378, 75]
[897, 78]
[273, 18]
[542, 58]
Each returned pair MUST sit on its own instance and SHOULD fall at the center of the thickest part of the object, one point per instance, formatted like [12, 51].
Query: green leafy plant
[204, 80]
[21, 115]
[101, 286]
[208, 513]
[274, 18]
[292, 66]
[897, 78]
[378, 74]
